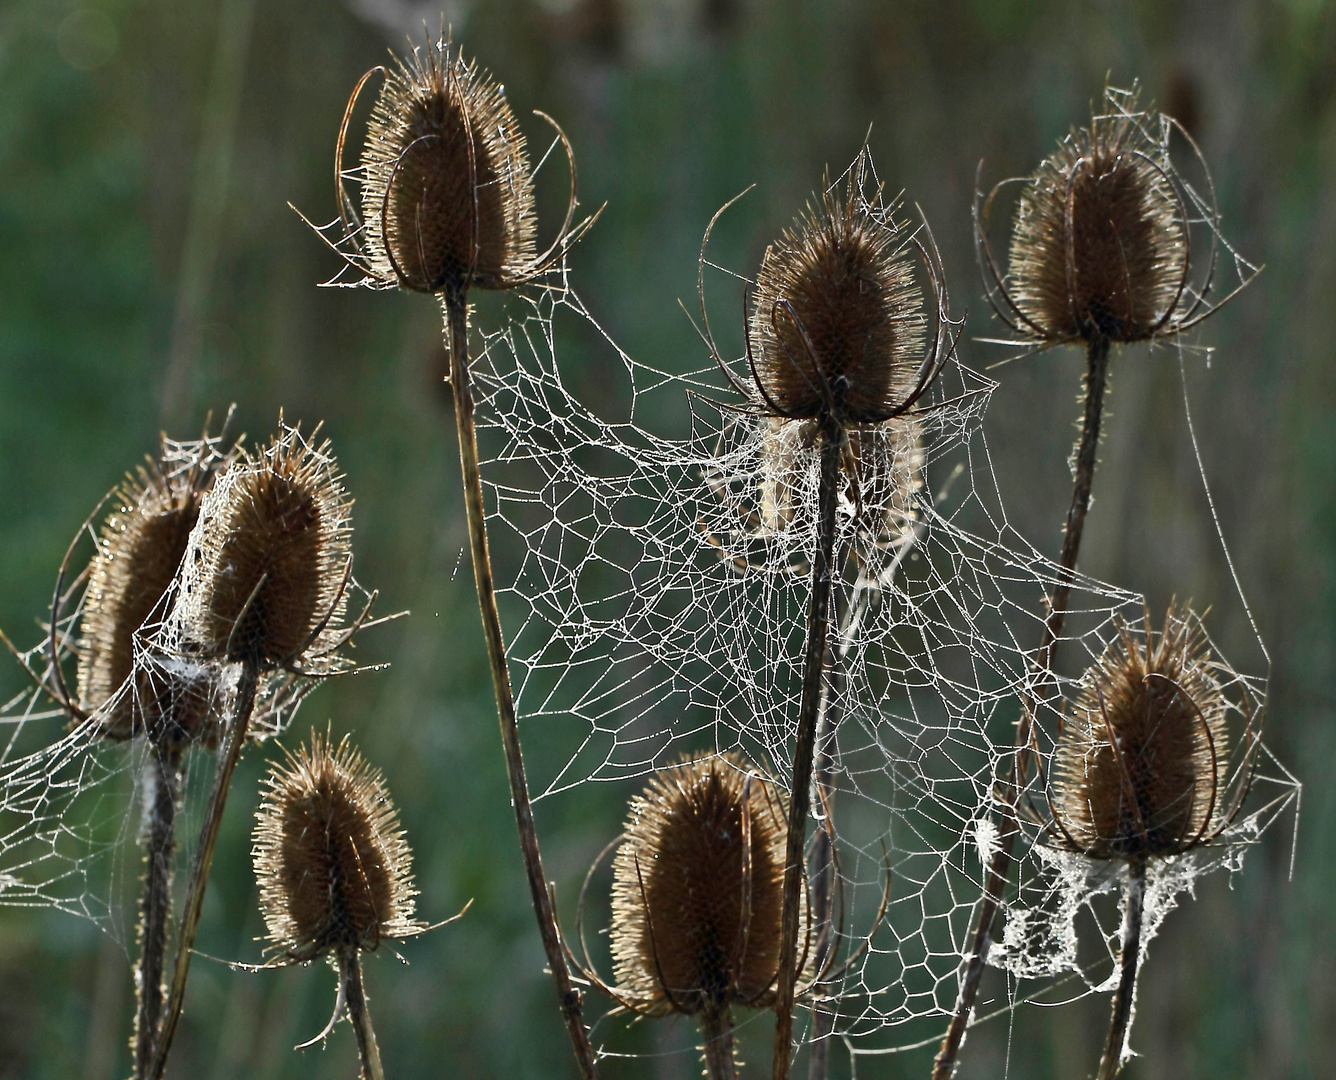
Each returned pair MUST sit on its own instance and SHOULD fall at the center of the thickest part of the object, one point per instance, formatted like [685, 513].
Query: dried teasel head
[1100, 249]
[1142, 767]
[447, 196]
[333, 866]
[839, 331]
[139, 551]
[270, 557]
[884, 473]
[698, 891]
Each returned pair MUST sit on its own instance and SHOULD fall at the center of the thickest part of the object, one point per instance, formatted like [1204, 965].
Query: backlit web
[72, 797]
[656, 607]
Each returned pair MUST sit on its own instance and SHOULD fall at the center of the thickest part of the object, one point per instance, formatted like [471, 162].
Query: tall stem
[809, 708]
[350, 971]
[162, 772]
[456, 317]
[716, 1026]
[1097, 372]
[234, 738]
[821, 861]
[1134, 903]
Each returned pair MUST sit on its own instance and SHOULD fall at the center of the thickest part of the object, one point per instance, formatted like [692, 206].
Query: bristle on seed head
[1141, 769]
[1100, 244]
[139, 551]
[696, 909]
[270, 556]
[447, 197]
[838, 327]
[333, 866]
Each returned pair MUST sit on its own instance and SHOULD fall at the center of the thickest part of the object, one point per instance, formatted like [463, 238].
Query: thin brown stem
[1134, 903]
[456, 317]
[162, 771]
[1097, 372]
[716, 1027]
[350, 972]
[229, 753]
[804, 751]
[821, 861]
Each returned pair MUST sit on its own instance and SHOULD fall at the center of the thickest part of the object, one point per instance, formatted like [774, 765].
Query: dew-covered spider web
[658, 610]
[655, 592]
[77, 777]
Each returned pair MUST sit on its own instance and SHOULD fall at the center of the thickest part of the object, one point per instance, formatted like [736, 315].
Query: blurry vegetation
[147, 151]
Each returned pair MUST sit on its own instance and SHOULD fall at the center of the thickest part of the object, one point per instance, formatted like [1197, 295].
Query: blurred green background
[151, 270]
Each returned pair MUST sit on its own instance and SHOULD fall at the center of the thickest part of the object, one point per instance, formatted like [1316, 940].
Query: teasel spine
[455, 307]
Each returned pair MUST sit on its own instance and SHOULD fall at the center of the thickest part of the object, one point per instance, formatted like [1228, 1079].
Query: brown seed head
[883, 473]
[1100, 244]
[333, 866]
[270, 555]
[139, 549]
[695, 909]
[838, 328]
[1141, 768]
[447, 196]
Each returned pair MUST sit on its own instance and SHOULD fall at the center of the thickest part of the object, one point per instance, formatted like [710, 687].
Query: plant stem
[229, 753]
[162, 772]
[821, 861]
[814, 665]
[1134, 902]
[350, 971]
[1097, 372]
[717, 1029]
[456, 318]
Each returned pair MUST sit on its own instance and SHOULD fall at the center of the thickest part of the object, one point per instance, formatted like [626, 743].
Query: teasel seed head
[270, 556]
[696, 908]
[1141, 769]
[838, 324]
[139, 551]
[1100, 245]
[883, 474]
[333, 866]
[447, 197]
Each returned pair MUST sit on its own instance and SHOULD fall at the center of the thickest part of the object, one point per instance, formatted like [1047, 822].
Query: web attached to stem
[75, 789]
[658, 609]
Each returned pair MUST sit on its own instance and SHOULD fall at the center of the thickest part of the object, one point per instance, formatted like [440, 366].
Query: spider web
[658, 608]
[73, 808]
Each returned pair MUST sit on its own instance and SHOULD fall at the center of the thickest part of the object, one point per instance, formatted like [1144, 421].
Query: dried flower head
[333, 866]
[1101, 246]
[838, 325]
[884, 472]
[447, 199]
[140, 547]
[1142, 767]
[270, 556]
[698, 891]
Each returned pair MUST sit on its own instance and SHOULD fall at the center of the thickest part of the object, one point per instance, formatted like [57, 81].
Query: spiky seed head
[270, 555]
[1141, 767]
[684, 936]
[139, 550]
[836, 303]
[447, 197]
[333, 866]
[882, 476]
[1100, 247]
